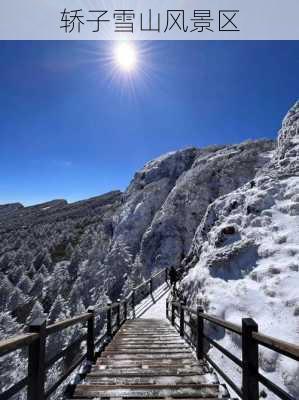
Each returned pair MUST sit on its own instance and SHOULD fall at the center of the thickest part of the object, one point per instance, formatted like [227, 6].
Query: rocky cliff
[245, 255]
[167, 199]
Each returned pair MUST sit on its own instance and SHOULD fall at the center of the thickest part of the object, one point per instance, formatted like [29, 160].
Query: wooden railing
[195, 321]
[112, 316]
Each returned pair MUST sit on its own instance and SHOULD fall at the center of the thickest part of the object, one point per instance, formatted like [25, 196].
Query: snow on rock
[244, 258]
[166, 201]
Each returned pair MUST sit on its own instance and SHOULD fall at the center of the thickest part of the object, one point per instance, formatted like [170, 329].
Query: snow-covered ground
[158, 309]
[146, 307]
[247, 249]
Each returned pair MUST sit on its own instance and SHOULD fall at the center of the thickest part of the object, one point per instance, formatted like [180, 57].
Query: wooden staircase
[147, 359]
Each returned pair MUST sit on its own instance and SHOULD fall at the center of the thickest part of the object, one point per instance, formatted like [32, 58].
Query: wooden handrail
[281, 346]
[251, 338]
[224, 324]
[36, 340]
[16, 342]
[58, 326]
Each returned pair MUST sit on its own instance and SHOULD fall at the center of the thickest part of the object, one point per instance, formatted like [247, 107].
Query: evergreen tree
[15, 274]
[25, 284]
[31, 272]
[75, 302]
[58, 312]
[44, 271]
[6, 290]
[76, 259]
[69, 251]
[37, 288]
[37, 311]
[12, 366]
[17, 299]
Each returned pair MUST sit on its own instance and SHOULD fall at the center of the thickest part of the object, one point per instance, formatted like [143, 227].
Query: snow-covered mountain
[228, 213]
[50, 256]
[167, 199]
[244, 258]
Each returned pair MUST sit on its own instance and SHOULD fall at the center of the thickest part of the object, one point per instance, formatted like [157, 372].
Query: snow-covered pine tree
[6, 290]
[37, 311]
[25, 284]
[37, 288]
[16, 299]
[16, 273]
[69, 250]
[12, 366]
[76, 259]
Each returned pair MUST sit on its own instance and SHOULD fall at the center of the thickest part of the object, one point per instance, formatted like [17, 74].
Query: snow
[153, 307]
[263, 283]
[158, 309]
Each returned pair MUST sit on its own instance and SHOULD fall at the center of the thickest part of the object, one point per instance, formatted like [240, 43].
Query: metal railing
[113, 316]
[251, 340]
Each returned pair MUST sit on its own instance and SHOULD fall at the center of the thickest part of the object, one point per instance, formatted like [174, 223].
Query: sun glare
[125, 56]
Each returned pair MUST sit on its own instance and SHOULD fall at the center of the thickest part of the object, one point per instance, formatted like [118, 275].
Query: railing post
[125, 310]
[250, 359]
[133, 303]
[167, 309]
[118, 314]
[172, 313]
[166, 275]
[109, 323]
[182, 319]
[36, 361]
[199, 333]
[90, 335]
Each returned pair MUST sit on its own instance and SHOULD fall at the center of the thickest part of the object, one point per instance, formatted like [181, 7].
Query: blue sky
[72, 129]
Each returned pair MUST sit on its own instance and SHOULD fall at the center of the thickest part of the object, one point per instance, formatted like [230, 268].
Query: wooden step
[145, 391]
[147, 359]
[146, 335]
[144, 364]
[151, 380]
[148, 346]
[145, 351]
[199, 370]
[147, 328]
[123, 339]
[148, 356]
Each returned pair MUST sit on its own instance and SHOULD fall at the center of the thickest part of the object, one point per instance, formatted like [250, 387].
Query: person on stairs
[173, 277]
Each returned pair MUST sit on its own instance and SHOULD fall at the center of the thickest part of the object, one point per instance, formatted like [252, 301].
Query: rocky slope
[244, 258]
[167, 199]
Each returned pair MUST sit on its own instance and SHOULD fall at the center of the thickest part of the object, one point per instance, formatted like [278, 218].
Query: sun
[125, 56]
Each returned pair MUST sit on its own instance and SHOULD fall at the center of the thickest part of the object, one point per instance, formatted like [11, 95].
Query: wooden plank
[145, 351]
[143, 356]
[144, 363]
[151, 380]
[58, 326]
[148, 360]
[17, 342]
[121, 347]
[95, 371]
[286, 348]
[145, 391]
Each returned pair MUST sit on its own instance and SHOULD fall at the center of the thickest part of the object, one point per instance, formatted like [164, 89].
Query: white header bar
[149, 20]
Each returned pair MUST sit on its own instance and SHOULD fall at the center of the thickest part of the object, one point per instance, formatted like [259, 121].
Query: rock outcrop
[247, 254]
[167, 199]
